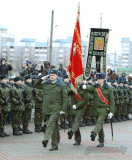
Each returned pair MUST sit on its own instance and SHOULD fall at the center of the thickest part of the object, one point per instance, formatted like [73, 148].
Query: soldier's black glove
[34, 92]
[24, 93]
[11, 93]
[5, 103]
[19, 103]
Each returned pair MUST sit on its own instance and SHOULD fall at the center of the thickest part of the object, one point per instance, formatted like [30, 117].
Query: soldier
[17, 106]
[116, 117]
[89, 109]
[5, 94]
[126, 100]
[29, 104]
[77, 111]
[38, 110]
[62, 116]
[55, 103]
[103, 103]
[130, 96]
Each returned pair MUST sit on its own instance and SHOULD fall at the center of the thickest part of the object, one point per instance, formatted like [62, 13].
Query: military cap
[22, 79]
[53, 71]
[108, 80]
[27, 77]
[125, 82]
[90, 78]
[113, 81]
[100, 75]
[11, 79]
[3, 76]
[17, 79]
[65, 76]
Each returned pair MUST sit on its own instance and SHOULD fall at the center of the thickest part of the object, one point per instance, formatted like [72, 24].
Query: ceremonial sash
[80, 99]
[102, 97]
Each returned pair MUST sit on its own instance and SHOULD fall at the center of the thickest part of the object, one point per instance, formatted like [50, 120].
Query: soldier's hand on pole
[74, 107]
[61, 112]
[110, 115]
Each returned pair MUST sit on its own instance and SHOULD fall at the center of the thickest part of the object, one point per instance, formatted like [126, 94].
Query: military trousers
[99, 128]
[3, 118]
[52, 130]
[26, 116]
[75, 128]
[38, 116]
[124, 109]
[15, 119]
[20, 117]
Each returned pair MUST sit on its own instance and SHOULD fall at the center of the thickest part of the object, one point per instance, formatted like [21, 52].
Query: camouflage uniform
[17, 93]
[121, 101]
[126, 102]
[130, 97]
[28, 107]
[38, 110]
[4, 109]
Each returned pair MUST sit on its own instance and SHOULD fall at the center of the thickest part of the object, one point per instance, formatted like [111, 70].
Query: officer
[103, 103]
[17, 105]
[5, 95]
[55, 103]
[29, 104]
[77, 110]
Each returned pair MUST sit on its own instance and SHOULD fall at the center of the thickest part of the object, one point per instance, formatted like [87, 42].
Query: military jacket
[68, 86]
[130, 96]
[121, 95]
[100, 108]
[17, 93]
[38, 98]
[55, 96]
[3, 96]
[29, 89]
[79, 104]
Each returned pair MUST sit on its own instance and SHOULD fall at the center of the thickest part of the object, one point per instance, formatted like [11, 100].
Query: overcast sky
[32, 18]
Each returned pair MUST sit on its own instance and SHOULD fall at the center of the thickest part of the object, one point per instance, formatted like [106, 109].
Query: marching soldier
[103, 104]
[130, 96]
[5, 94]
[77, 110]
[55, 103]
[17, 105]
[29, 104]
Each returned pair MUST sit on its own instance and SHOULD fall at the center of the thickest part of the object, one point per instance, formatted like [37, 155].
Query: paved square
[30, 146]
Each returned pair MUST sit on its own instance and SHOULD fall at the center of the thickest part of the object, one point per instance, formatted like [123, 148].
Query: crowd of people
[48, 91]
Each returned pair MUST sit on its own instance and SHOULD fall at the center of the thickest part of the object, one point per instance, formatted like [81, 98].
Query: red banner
[75, 69]
[102, 97]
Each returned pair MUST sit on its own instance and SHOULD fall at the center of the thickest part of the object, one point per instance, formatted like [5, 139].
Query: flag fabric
[75, 69]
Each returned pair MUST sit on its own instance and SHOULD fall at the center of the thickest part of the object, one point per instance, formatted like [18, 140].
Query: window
[11, 47]
[36, 47]
[15, 47]
[61, 54]
[32, 48]
[60, 58]
[55, 49]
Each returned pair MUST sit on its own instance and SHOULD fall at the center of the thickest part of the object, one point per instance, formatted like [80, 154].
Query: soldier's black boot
[64, 125]
[40, 128]
[119, 119]
[104, 122]
[94, 121]
[113, 119]
[26, 131]
[45, 142]
[15, 132]
[107, 120]
[37, 128]
[43, 128]
[123, 118]
[100, 145]
[70, 124]
[76, 143]
[1, 133]
[53, 148]
[93, 136]
[88, 123]
[19, 129]
[7, 135]
[128, 118]
[70, 134]
[81, 124]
